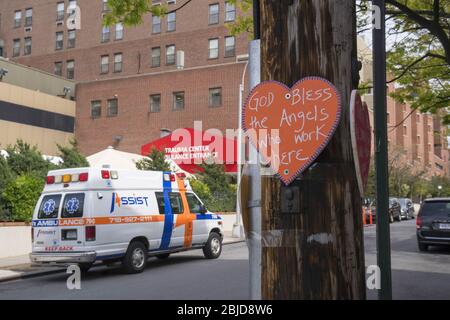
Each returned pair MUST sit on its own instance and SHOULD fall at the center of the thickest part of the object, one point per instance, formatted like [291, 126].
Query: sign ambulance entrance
[189, 148]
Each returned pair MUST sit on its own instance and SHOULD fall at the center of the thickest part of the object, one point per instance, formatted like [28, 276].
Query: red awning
[188, 148]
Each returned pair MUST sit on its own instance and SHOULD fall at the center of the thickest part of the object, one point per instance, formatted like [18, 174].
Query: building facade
[133, 82]
[35, 107]
[420, 138]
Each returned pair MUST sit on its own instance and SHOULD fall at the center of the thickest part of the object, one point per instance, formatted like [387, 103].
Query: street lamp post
[237, 227]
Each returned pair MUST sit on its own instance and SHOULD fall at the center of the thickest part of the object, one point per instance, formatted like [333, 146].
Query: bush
[214, 188]
[21, 196]
[201, 189]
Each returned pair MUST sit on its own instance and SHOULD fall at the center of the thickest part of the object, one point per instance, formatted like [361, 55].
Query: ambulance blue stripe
[168, 218]
[113, 202]
[208, 217]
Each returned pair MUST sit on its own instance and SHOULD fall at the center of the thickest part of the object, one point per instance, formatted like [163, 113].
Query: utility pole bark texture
[317, 253]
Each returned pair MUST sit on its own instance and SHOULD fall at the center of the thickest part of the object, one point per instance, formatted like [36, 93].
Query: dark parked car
[433, 223]
[406, 208]
[394, 210]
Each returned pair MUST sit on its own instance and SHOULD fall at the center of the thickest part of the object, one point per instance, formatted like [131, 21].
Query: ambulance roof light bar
[66, 178]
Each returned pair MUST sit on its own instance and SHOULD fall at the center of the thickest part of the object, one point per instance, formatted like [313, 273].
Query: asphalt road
[415, 274]
[190, 276]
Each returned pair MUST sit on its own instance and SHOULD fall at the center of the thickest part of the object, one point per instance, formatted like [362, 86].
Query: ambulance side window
[176, 203]
[49, 207]
[73, 205]
[161, 204]
[194, 204]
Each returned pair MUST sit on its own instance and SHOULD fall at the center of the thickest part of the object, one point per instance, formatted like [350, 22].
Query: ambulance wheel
[213, 247]
[163, 256]
[135, 258]
[84, 267]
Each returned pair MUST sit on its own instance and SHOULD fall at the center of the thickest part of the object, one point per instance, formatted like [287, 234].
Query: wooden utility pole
[316, 252]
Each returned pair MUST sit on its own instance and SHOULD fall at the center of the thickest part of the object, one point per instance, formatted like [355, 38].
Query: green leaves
[131, 12]
[218, 193]
[72, 157]
[155, 161]
[418, 61]
[22, 176]
[21, 195]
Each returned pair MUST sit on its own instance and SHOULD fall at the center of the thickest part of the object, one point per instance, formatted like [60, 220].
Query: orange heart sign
[291, 126]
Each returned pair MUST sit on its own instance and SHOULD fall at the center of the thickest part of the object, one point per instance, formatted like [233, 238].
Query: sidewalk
[13, 268]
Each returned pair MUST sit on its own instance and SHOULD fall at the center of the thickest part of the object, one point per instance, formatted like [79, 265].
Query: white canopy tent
[122, 160]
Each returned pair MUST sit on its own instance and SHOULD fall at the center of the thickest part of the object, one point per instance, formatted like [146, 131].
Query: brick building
[129, 86]
[420, 137]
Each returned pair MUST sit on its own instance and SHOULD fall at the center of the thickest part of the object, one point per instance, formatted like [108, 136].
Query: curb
[28, 275]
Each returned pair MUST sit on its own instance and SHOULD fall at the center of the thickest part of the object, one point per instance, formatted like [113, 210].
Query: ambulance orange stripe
[186, 218]
[110, 220]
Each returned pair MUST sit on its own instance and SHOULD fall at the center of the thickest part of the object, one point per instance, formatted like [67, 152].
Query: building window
[96, 109]
[17, 19]
[105, 34]
[178, 101]
[28, 17]
[171, 21]
[118, 62]
[230, 46]
[105, 6]
[155, 103]
[388, 117]
[16, 48]
[156, 24]
[27, 46]
[119, 31]
[72, 6]
[60, 11]
[113, 108]
[214, 13]
[405, 130]
[58, 68]
[230, 11]
[156, 57]
[59, 40]
[71, 38]
[104, 64]
[215, 97]
[170, 54]
[418, 139]
[213, 48]
[70, 69]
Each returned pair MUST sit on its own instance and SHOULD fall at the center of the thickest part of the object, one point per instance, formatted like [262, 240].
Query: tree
[71, 156]
[419, 59]
[22, 194]
[155, 161]
[24, 159]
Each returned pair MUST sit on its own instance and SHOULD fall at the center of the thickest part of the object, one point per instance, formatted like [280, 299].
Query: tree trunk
[318, 252]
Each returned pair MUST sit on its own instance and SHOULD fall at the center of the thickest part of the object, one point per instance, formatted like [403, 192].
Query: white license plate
[71, 235]
[444, 226]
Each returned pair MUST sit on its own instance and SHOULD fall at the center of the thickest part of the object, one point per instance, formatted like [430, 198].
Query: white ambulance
[89, 214]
